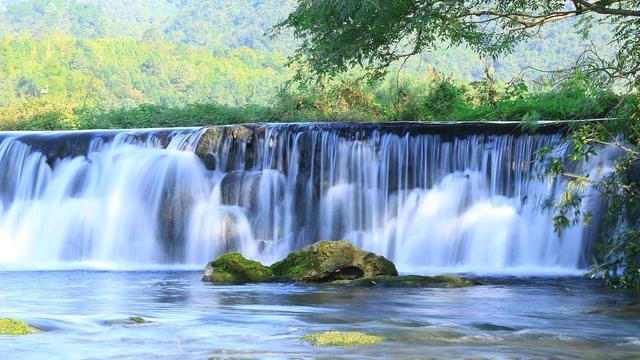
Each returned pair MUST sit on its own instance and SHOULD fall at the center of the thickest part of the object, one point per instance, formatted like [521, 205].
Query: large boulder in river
[233, 268]
[335, 262]
[327, 261]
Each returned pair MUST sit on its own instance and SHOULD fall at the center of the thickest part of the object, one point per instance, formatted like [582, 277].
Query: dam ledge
[510, 126]
[58, 144]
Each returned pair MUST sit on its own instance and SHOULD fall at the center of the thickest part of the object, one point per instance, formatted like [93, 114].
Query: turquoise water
[81, 311]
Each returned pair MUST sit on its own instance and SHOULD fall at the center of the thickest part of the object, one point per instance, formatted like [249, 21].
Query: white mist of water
[105, 208]
[431, 204]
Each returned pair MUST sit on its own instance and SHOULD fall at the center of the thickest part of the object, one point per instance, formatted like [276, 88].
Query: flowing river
[559, 318]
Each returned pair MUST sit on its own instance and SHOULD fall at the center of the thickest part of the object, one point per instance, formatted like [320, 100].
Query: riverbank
[439, 100]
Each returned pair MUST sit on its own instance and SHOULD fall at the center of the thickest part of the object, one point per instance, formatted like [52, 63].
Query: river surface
[82, 313]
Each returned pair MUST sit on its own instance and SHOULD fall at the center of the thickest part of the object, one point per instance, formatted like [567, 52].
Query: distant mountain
[229, 23]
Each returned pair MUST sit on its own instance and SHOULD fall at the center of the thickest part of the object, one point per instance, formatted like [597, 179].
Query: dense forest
[63, 63]
[124, 72]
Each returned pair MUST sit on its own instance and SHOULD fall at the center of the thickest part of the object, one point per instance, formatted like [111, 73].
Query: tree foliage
[338, 35]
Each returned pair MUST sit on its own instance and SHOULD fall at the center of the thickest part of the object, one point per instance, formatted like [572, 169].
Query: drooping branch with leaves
[617, 259]
[338, 35]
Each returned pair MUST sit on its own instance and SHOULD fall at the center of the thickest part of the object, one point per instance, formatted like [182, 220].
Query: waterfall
[430, 198]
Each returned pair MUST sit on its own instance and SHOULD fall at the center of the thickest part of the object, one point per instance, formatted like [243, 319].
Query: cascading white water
[100, 209]
[431, 202]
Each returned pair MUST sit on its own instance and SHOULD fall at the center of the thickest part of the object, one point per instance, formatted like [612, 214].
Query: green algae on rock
[16, 327]
[410, 281]
[327, 261]
[233, 268]
[338, 338]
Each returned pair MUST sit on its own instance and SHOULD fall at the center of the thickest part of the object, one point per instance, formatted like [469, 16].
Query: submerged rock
[410, 281]
[16, 327]
[233, 268]
[327, 261]
[133, 320]
[137, 320]
[337, 338]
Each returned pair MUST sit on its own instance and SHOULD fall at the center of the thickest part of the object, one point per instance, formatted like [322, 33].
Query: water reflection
[170, 291]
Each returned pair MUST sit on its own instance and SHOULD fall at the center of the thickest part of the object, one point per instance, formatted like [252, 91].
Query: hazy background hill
[123, 53]
[228, 23]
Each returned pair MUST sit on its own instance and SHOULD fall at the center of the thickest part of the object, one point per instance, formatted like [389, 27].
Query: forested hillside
[217, 25]
[209, 23]
[68, 56]
[111, 73]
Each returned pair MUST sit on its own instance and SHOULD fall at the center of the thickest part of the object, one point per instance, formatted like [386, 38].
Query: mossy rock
[138, 320]
[410, 281]
[233, 268]
[337, 338]
[16, 327]
[327, 261]
[334, 262]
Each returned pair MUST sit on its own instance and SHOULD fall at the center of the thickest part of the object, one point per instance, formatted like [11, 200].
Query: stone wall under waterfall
[431, 197]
